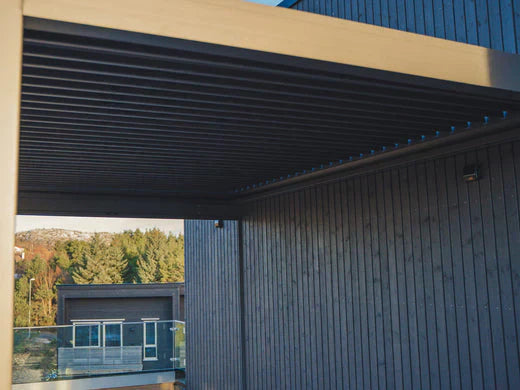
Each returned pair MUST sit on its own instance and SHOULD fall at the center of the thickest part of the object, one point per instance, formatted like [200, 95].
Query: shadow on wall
[504, 71]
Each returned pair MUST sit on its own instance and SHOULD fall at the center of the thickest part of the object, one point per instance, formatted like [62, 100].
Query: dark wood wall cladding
[131, 309]
[406, 278]
[213, 318]
[489, 23]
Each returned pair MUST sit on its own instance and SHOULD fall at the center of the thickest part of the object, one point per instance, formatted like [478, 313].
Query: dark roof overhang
[112, 120]
[125, 290]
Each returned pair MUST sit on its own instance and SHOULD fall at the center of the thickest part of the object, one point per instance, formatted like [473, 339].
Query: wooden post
[11, 31]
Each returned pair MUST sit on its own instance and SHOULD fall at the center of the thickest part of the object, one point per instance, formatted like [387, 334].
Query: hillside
[49, 237]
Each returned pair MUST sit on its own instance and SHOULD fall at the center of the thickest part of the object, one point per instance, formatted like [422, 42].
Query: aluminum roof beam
[242, 24]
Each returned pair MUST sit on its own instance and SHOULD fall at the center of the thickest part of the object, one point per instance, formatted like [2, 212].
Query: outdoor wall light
[219, 224]
[471, 173]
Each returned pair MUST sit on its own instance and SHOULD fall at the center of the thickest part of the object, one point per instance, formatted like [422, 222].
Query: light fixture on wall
[471, 173]
[219, 224]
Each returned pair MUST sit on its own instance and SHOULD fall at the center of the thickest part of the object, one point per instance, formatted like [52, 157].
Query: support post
[11, 31]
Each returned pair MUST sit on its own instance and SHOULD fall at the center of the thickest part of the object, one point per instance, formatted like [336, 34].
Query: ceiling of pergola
[111, 112]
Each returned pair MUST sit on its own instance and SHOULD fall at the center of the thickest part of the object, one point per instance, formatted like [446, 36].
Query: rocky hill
[49, 237]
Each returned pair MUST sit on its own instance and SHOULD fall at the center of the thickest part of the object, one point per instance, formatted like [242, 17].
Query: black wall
[489, 23]
[213, 331]
[129, 301]
[405, 278]
[131, 309]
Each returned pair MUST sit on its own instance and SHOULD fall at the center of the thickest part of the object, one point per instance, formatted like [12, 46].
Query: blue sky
[268, 2]
[112, 225]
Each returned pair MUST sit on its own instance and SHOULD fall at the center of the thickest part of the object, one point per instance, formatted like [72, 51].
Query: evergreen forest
[129, 257]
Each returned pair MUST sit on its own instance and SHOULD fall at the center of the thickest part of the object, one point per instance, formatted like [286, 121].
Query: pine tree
[132, 243]
[93, 270]
[147, 267]
[156, 248]
[171, 266]
[101, 264]
[69, 256]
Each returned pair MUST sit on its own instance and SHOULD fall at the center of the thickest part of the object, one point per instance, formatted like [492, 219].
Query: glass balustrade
[179, 345]
[97, 347]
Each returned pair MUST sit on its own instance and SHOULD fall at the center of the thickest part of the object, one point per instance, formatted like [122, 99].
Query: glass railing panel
[35, 353]
[91, 348]
[179, 352]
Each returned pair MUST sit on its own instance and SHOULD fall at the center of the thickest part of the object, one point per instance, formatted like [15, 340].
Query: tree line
[128, 257]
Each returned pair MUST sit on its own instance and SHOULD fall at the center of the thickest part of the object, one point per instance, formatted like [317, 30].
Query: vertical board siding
[490, 23]
[406, 278]
[212, 291]
[401, 279]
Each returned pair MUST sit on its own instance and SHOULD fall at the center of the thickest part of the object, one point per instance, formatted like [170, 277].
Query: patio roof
[112, 119]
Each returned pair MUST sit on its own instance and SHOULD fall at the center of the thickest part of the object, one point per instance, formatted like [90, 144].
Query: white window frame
[100, 320]
[120, 323]
[145, 345]
[85, 323]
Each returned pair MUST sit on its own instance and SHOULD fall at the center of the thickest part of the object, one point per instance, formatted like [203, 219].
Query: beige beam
[10, 80]
[124, 206]
[248, 25]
